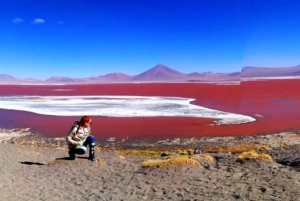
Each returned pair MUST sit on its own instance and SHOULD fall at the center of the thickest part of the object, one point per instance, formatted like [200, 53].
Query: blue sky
[81, 38]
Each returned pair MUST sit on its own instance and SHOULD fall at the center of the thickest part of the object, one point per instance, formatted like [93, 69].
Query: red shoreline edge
[274, 103]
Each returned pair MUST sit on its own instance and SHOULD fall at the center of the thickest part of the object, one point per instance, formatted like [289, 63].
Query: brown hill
[7, 77]
[252, 72]
[58, 79]
[117, 76]
[160, 72]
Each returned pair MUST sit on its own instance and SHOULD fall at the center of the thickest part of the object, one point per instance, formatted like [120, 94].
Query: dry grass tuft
[175, 161]
[232, 149]
[100, 161]
[262, 147]
[55, 161]
[122, 158]
[187, 152]
[97, 148]
[51, 162]
[250, 155]
[29, 152]
[237, 148]
[266, 157]
[144, 152]
[204, 156]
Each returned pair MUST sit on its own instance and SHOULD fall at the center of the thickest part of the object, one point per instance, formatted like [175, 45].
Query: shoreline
[24, 136]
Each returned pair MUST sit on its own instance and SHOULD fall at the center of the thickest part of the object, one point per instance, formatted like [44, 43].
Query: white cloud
[38, 21]
[17, 20]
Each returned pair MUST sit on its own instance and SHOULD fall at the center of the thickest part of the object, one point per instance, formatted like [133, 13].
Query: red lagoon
[274, 103]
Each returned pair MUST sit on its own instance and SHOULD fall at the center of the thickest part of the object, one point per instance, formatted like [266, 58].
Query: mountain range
[161, 73]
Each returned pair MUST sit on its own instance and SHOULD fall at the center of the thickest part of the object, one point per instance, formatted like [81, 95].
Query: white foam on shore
[118, 106]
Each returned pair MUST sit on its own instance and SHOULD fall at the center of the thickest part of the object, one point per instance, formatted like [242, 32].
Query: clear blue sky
[83, 38]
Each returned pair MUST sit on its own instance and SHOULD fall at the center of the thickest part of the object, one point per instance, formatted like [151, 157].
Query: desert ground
[229, 168]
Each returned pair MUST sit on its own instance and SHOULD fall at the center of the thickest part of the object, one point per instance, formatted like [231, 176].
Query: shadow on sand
[68, 158]
[31, 163]
[57, 159]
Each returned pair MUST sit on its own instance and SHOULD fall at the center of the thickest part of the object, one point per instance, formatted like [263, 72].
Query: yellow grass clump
[28, 152]
[144, 152]
[122, 158]
[175, 161]
[253, 155]
[55, 161]
[185, 152]
[266, 157]
[234, 149]
[262, 147]
[97, 148]
[204, 156]
[100, 161]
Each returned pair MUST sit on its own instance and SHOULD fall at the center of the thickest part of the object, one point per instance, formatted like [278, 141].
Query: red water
[274, 103]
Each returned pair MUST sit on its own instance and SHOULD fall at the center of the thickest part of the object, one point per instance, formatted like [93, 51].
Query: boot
[71, 154]
[92, 156]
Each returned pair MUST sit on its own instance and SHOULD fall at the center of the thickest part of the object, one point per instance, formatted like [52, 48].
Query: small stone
[262, 189]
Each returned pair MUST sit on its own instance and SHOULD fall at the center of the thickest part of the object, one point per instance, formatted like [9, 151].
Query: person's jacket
[76, 137]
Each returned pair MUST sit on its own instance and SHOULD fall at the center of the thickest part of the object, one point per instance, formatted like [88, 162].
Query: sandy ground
[43, 173]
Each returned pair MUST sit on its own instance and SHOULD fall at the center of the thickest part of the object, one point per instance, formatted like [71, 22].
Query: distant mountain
[210, 76]
[117, 76]
[7, 77]
[235, 74]
[160, 72]
[195, 74]
[108, 78]
[63, 79]
[256, 72]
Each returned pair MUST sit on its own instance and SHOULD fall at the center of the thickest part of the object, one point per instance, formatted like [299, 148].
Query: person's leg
[72, 153]
[77, 150]
[90, 141]
[80, 150]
